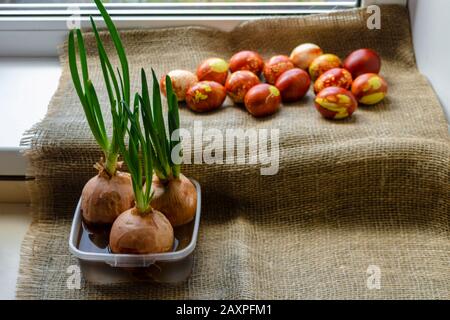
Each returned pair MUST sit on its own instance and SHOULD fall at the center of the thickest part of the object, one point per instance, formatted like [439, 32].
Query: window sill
[14, 222]
[26, 87]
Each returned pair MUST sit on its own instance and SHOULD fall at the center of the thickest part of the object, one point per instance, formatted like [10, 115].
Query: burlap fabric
[372, 190]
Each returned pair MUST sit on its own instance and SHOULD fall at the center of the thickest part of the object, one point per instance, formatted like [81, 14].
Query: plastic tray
[109, 268]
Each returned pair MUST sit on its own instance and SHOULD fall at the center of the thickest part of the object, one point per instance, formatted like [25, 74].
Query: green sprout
[118, 87]
[148, 147]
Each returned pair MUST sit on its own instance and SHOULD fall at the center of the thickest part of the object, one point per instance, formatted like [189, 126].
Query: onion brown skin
[304, 54]
[362, 61]
[369, 88]
[238, 83]
[336, 77]
[293, 84]
[175, 198]
[262, 100]
[247, 60]
[323, 63]
[140, 233]
[335, 103]
[213, 69]
[205, 96]
[275, 67]
[104, 198]
[182, 80]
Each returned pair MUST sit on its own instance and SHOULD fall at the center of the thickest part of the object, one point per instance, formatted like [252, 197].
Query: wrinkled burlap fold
[365, 193]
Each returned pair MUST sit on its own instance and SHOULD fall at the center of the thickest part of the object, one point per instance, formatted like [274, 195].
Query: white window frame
[37, 29]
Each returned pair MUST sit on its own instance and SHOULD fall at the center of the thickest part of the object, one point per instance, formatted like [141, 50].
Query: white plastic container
[100, 266]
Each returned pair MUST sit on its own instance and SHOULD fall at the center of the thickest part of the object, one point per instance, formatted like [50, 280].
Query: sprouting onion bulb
[174, 194]
[109, 193]
[141, 229]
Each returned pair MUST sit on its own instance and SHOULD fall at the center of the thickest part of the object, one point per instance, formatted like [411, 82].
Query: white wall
[430, 24]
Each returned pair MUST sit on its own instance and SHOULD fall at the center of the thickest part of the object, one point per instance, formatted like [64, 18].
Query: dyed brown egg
[362, 61]
[335, 103]
[238, 83]
[275, 67]
[262, 100]
[323, 63]
[181, 81]
[304, 54]
[369, 88]
[337, 77]
[213, 69]
[247, 60]
[293, 84]
[205, 96]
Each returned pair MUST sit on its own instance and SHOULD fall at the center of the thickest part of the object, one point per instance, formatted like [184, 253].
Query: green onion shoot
[174, 194]
[141, 229]
[110, 193]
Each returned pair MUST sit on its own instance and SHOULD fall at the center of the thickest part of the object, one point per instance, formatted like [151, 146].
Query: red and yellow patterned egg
[335, 103]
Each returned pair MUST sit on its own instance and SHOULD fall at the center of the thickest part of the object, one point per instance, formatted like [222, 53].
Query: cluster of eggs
[338, 86]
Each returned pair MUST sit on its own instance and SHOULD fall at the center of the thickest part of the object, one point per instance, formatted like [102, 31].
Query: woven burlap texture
[371, 190]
